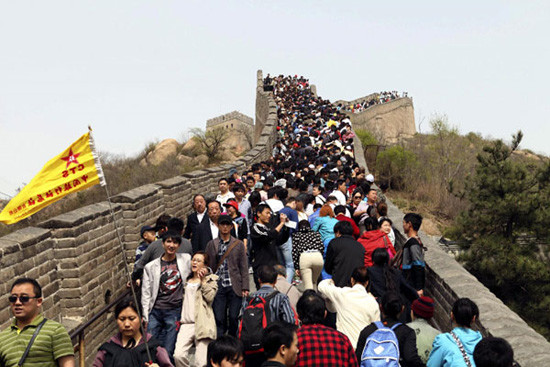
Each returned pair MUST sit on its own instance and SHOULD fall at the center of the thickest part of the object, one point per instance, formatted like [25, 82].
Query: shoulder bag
[26, 353]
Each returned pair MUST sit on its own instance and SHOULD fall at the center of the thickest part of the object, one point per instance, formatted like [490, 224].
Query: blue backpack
[381, 348]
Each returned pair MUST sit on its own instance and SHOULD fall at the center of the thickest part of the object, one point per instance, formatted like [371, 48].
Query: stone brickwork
[447, 281]
[389, 122]
[29, 251]
[76, 256]
[266, 112]
[356, 100]
[231, 117]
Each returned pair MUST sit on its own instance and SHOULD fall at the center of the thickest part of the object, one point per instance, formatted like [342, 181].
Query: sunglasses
[357, 197]
[22, 299]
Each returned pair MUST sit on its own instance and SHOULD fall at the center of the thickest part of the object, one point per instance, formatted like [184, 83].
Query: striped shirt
[279, 307]
[52, 343]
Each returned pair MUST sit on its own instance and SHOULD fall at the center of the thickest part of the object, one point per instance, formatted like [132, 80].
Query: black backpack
[256, 317]
[118, 356]
[284, 234]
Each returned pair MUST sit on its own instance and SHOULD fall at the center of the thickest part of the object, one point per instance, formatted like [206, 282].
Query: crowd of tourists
[382, 97]
[293, 262]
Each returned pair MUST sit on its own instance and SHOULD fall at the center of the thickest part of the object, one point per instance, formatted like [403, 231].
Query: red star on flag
[71, 158]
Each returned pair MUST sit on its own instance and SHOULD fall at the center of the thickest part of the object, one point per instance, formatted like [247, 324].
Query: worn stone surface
[164, 149]
[388, 122]
[185, 160]
[190, 147]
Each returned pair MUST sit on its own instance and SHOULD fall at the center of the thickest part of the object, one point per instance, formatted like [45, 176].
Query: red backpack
[256, 317]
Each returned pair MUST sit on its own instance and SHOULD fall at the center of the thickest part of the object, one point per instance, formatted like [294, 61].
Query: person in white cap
[370, 178]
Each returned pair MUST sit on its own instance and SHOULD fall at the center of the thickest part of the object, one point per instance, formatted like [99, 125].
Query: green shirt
[425, 335]
[52, 343]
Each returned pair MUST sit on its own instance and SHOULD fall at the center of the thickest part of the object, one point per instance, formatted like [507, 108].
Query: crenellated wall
[447, 281]
[368, 97]
[389, 122]
[76, 256]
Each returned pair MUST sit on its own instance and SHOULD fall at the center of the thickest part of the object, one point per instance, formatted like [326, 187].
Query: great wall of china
[75, 256]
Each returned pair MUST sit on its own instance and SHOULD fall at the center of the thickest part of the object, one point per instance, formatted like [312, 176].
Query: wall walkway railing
[78, 334]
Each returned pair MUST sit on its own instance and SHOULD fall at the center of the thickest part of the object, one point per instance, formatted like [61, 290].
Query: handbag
[26, 353]
[461, 347]
[397, 260]
[226, 253]
[388, 248]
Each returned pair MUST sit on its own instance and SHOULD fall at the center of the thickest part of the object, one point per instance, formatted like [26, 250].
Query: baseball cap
[146, 229]
[225, 219]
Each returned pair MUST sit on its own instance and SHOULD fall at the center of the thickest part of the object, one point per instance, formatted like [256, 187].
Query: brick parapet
[234, 115]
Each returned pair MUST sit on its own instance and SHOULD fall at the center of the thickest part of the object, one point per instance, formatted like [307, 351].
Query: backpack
[381, 348]
[256, 317]
[284, 234]
[118, 356]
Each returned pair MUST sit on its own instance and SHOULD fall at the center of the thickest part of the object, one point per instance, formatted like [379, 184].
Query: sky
[142, 71]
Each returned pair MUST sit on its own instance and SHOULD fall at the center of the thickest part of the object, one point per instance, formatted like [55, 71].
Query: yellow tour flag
[76, 168]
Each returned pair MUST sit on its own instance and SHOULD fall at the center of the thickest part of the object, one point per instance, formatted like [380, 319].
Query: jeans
[285, 251]
[226, 302]
[162, 325]
[324, 274]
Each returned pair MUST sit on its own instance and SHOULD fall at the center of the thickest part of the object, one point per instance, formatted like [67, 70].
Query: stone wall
[235, 115]
[356, 100]
[266, 109]
[388, 122]
[447, 281]
[76, 256]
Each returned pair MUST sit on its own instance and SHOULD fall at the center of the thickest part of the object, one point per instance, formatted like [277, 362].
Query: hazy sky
[145, 70]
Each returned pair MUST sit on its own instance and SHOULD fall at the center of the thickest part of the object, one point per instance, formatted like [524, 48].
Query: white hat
[370, 178]
[280, 182]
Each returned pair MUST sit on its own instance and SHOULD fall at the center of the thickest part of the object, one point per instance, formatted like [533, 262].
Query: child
[148, 235]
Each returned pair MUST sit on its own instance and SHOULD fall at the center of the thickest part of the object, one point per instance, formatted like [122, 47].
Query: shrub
[366, 137]
[394, 165]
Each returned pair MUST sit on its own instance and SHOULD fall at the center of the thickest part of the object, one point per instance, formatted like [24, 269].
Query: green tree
[366, 138]
[505, 195]
[505, 225]
[394, 165]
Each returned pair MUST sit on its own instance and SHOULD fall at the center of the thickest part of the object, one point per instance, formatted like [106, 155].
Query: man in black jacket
[344, 254]
[194, 219]
[208, 229]
[264, 240]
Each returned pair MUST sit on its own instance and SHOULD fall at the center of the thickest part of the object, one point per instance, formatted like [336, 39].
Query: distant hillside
[428, 172]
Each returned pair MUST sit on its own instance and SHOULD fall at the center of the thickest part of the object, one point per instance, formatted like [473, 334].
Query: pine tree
[505, 225]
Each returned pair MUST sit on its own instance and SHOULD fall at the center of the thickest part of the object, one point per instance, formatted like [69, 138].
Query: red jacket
[371, 240]
[352, 222]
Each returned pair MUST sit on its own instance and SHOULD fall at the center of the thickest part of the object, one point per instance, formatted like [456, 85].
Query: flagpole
[122, 249]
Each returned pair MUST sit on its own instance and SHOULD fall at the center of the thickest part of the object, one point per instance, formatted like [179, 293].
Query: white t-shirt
[340, 196]
[223, 198]
[188, 306]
